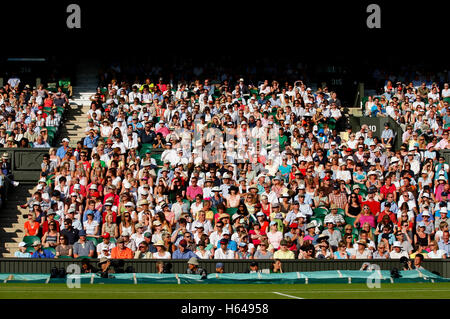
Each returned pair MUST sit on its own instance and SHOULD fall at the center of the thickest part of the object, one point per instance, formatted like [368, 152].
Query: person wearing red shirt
[256, 233]
[31, 226]
[374, 205]
[50, 217]
[108, 210]
[78, 187]
[262, 222]
[388, 188]
[109, 193]
[387, 211]
[95, 185]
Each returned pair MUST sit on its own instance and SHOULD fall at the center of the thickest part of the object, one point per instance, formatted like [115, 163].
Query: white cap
[65, 140]
[300, 215]
[129, 204]
[22, 244]
[93, 186]
[394, 160]
[126, 184]
[426, 213]
[77, 186]
[397, 244]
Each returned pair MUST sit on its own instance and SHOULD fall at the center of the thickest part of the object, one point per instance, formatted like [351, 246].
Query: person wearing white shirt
[170, 155]
[408, 198]
[271, 196]
[304, 208]
[120, 145]
[435, 252]
[130, 141]
[343, 174]
[397, 251]
[445, 91]
[134, 94]
[223, 252]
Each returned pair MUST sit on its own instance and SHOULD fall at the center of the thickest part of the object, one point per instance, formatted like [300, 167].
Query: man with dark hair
[70, 232]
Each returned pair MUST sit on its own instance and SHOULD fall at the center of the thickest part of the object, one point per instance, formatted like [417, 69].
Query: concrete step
[13, 245]
[15, 224]
[11, 237]
[11, 212]
[11, 220]
[12, 229]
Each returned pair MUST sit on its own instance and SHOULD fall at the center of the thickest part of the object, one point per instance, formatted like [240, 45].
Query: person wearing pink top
[193, 190]
[365, 217]
[162, 129]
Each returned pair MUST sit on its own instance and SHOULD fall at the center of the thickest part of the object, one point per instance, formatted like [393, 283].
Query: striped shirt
[339, 200]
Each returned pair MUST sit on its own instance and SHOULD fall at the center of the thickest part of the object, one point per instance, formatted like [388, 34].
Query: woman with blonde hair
[318, 116]
[435, 252]
[110, 227]
[53, 157]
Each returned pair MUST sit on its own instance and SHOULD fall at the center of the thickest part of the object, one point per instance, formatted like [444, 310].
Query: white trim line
[279, 293]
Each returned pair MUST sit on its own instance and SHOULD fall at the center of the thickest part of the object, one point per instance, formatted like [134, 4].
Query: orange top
[32, 230]
[117, 253]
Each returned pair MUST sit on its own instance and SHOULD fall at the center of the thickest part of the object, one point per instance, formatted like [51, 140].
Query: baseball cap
[106, 236]
[183, 243]
[82, 233]
[36, 243]
[397, 244]
[22, 244]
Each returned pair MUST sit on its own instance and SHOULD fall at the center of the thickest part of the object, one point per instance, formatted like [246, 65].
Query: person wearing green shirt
[282, 139]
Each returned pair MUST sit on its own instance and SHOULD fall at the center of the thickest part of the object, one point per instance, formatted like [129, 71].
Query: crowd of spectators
[235, 171]
[29, 116]
[420, 104]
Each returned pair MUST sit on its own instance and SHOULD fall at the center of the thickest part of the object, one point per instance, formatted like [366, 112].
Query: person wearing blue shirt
[232, 245]
[182, 252]
[22, 252]
[96, 213]
[90, 141]
[61, 152]
[386, 234]
[444, 243]
[285, 169]
[394, 207]
[40, 253]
